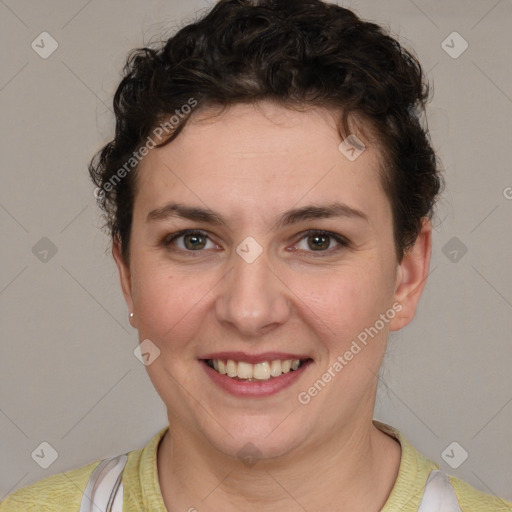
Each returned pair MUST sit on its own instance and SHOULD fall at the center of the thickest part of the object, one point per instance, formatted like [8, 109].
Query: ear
[124, 275]
[412, 276]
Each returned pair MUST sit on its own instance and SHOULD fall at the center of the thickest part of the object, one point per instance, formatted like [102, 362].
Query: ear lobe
[412, 276]
[124, 273]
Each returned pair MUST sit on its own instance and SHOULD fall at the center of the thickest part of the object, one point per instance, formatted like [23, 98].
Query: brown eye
[194, 241]
[322, 242]
[319, 242]
[187, 241]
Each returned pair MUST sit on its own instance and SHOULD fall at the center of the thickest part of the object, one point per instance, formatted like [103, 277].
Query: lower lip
[255, 388]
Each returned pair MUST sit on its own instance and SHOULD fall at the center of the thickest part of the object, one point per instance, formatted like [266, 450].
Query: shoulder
[62, 492]
[472, 499]
[414, 473]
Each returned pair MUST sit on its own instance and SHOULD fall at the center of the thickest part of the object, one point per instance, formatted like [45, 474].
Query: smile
[264, 376]
[265, 370]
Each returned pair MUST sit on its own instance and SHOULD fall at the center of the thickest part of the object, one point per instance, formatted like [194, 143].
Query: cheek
[173, 305]
[167, 304]
[346, 300]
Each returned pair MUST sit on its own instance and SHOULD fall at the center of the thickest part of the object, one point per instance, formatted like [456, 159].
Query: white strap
[104, 490]
[117, 505]
[439, 495]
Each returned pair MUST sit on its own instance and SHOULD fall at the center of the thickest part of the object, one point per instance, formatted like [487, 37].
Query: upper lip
[254, 358]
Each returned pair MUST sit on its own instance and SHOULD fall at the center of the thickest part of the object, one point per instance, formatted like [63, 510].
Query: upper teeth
[260, 371]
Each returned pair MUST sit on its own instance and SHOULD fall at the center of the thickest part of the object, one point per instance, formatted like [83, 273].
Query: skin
[250, 164]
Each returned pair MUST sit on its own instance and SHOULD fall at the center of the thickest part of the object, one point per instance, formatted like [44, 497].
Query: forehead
[249, 156]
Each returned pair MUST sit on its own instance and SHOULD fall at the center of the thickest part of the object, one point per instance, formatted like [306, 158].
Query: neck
[354, 469]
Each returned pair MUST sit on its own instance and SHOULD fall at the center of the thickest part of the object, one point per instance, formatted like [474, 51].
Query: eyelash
[342, 241]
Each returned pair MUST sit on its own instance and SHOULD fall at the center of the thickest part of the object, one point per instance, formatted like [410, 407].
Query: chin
[256, 436]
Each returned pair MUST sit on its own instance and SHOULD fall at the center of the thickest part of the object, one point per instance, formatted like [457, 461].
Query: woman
[269, 193]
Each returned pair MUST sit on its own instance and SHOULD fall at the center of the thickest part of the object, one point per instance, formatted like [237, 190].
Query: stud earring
[131, 316]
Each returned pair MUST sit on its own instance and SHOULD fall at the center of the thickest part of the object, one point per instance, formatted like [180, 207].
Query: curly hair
[298, 53]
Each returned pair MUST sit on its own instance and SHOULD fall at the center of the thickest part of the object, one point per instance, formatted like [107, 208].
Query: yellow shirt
[63, 492]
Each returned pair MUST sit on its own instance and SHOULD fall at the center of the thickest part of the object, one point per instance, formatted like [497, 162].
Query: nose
[252, 299]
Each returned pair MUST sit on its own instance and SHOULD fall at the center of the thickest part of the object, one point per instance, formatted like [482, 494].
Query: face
[256, 240]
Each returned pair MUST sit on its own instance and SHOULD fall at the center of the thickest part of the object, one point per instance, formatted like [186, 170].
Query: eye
[319, 241]
[192, 241]
[322, 241]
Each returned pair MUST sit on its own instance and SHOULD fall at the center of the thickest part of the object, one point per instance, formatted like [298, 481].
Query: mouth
[257, 372]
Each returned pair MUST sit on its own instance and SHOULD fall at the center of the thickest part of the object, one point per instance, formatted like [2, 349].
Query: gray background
[68, 375]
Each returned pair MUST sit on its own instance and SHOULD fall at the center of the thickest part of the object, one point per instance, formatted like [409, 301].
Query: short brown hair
[297, 53]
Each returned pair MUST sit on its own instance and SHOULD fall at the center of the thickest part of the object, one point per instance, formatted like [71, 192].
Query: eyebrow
[310, 212]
